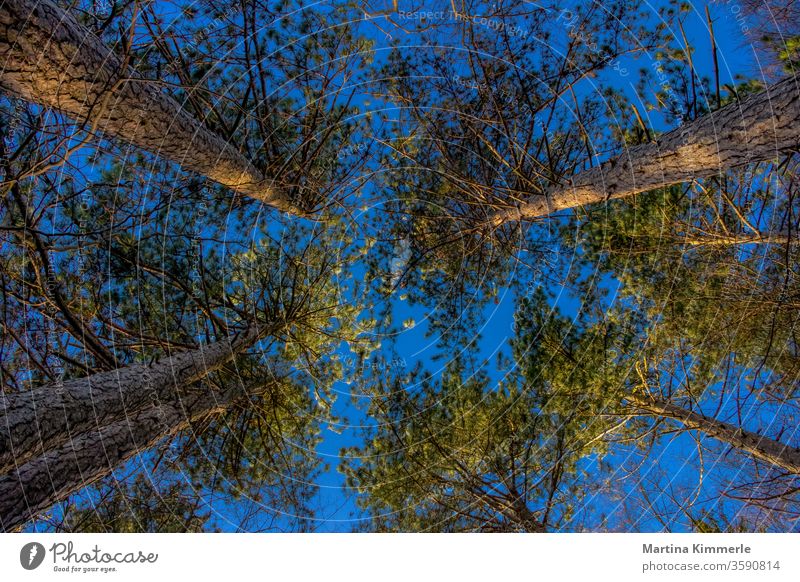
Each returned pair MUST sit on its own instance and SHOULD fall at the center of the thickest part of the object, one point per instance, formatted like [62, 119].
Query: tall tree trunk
[755, 129]
[37, 485]
[761, 447]
[48, 58]
[42, 419]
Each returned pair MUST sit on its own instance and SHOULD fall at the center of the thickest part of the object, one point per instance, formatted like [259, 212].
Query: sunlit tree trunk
[48, 58]
[40, 420]
[760, 447]
[35, 486]
[755, 129]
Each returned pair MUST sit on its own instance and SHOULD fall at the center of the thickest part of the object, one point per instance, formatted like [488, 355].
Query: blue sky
[413, 346]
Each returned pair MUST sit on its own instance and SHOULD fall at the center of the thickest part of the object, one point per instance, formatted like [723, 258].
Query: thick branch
[761, 447]
[723, 240]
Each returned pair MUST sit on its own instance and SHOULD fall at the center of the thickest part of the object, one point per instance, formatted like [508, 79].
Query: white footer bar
[400, 557]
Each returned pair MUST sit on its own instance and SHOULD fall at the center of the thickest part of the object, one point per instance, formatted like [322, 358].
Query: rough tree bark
[48, 58]
[755, 129]
[761, 447]
[44, 418]
[40, 483]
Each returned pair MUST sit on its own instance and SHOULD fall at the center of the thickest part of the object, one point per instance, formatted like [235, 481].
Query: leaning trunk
[722, 240]
[759, 446]
[756, 129]
[37, 485]
[42, 419]
[48, 58]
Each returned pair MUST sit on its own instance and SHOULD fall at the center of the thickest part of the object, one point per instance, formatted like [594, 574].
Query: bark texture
[48, 58]
[761, 447]
[44, 481]
[755, 129]
[42, 419]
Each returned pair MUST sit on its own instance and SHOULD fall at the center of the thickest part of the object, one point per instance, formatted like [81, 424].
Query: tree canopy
[415, 360]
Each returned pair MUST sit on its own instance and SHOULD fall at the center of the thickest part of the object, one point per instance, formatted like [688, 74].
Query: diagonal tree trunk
[755, 129]
[723, 240]
[44, 418]
[717, 240]
[38, 484]
[48, 58]
[761, 447]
